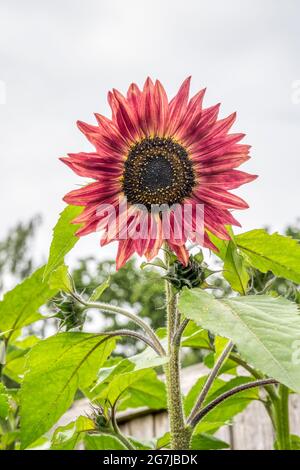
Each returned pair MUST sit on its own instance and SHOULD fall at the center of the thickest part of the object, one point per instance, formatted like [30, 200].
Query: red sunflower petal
[191, 117]
[147, 109]
[181, 253]
[178, 106]
[221, 164]
[125, 251]
[219, 198]
[92, 168]
[229, 179]
[161, 100]
[125, 118]
[94, 192]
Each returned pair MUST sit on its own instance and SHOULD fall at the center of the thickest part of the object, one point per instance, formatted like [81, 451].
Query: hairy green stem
[117, 430]
[133, 334]
[281, 419]
[180, 434]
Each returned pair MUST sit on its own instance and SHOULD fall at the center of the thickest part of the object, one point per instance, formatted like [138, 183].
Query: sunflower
[155, 155]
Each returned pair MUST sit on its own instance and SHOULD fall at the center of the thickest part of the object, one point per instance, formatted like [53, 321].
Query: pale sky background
[60, 57]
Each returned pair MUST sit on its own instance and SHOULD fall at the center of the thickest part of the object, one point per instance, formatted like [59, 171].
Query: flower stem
[117, 431]
[281, 411]
[180, 434]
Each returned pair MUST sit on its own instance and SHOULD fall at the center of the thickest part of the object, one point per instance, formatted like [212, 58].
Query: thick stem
[180, 434]
[281, 415]
[213, 374]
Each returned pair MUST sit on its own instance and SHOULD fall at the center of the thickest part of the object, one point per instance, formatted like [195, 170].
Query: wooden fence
[250, 430]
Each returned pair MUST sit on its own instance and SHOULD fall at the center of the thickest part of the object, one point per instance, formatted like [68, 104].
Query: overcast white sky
[59, 58]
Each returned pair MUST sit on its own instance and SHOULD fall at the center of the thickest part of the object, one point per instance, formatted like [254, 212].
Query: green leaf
[157, 262]
[103, 442]
[275, 253]
[40, 444]
[220, 345]
[135, 389]
[295, 442]
[96, 294]
[199, 441]
[148, 359]
[163, 441]
[69, 436]
[235, 271]
[264, 329]
[16, 357]
[56, 368]
[195, 390]
[207, 442]
[195, 337]
[218, 387]
[15, 364]
[225, 411]
[228, 367]
[60, 279]
[4, 402]
[64, 238]
[145, 360]
[19, 306]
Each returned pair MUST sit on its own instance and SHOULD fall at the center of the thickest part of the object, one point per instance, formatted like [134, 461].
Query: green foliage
[195, 337]
[263, 329]
[134, 389]
[103, 442]
[199, 441]
[226, 410]
[4, 402]
[19, 306]
[68, 437]
[64, 238]
[53, 372]
[16, 358]
[56, 368]
[60, 279]
[275, 253]
[235, 268]
[96, 294]
[203, 441]
[295, 441]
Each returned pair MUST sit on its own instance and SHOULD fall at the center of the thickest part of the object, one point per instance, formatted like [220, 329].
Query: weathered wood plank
[161, 424]
[252, 429]
[224, 433]
[142, 428]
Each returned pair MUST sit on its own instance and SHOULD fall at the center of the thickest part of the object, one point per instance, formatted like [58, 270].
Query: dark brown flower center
[158, 171]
